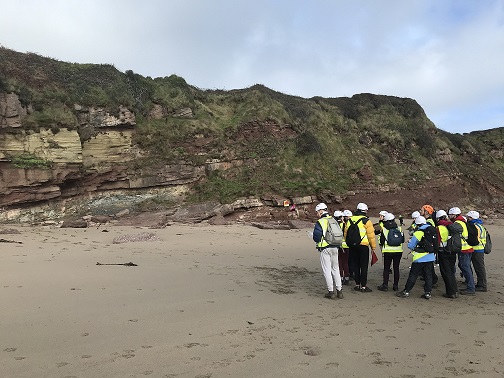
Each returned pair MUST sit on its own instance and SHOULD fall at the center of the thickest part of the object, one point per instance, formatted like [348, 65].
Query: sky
[448, 55]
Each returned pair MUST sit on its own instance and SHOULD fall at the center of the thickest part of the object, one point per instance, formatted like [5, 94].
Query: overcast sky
[448, 55]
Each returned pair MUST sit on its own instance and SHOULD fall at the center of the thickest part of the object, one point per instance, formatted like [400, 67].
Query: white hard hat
[415, 214]
[441, 213]
[347, 213]
[383, 212]
[388, 217]
[362, 206]
[473, 214]
[321, 206]
[338, 214]
[420, 220]
[454, 211]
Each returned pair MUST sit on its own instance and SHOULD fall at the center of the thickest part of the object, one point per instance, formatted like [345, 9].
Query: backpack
[353, 237]
[429, 242]
[395, 237]
[334, 234]
[472, 238]
[454, 244]
[488, 244]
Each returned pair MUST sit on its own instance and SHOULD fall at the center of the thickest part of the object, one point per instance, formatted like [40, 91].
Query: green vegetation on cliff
[272, 142]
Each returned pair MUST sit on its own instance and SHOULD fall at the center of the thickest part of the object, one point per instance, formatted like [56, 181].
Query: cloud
[447, 55]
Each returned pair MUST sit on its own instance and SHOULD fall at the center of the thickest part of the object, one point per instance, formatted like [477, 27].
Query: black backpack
[472, 238]
[429, 242]
[353, 237]
[395, 237]
[488, 244]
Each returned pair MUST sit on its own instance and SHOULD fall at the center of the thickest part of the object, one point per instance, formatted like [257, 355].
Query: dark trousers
[359, 256]
[447, 263]
[343, 262]
[389, 258]
[478, 262]
[417, 268]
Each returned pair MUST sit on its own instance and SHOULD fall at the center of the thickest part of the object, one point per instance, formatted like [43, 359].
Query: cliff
[72, 135]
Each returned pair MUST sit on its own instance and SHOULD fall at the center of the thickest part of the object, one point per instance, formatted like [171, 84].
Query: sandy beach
[226, 301]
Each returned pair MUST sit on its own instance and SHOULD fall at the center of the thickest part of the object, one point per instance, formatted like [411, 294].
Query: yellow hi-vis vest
[419, 234]
[324, 223]
[482, 236]
[390, 248]
[343, 244]
[431, 221]
[465, 235]
[444, 235]
[362, 229]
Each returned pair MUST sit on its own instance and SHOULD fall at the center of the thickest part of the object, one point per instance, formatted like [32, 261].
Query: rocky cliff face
[101, 162]
[90, 139]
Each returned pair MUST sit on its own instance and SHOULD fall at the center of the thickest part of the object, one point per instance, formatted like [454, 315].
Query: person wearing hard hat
[359, 235]
[465, 252]
[422, 246]
[478, 257]
[413, 226]
[427, 211]
[446, 257]
[342, 251]
[378, 227]
[392, 252]
[351, 274]
[328, 254]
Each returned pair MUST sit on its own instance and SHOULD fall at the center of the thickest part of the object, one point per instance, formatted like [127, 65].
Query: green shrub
[27, 160]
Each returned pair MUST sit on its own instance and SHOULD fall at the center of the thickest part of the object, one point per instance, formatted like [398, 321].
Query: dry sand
[226, 301]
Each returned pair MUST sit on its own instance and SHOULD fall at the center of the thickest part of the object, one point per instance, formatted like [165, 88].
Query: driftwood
[125, 264]
[9, 241]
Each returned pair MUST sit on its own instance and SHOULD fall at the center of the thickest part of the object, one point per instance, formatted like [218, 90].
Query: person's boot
[383, 287]
[339, 294]
[330, 295]
[402, 294]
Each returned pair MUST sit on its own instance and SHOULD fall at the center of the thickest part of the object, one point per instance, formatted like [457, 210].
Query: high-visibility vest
[444, 235]
[431, 221]
[390, 248]
[324, 223]
[343, 244]
[419, 234]
[362, 229]
[482, 236]
[465, 235]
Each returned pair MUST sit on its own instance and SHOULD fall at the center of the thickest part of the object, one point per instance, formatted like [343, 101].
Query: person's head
[441, 214]
[454, 212]
[426, 211]
[472, 215]
[420, 220]
[415, 214]
[347, 214]
[361, 206]
[338, 214]
[321, 208]
[388, 217]
[382, 214]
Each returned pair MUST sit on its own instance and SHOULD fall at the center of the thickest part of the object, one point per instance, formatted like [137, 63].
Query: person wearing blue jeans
[466, 251]
[478, 257]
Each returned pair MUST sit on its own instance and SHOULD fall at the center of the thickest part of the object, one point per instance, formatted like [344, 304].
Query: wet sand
[226, 301]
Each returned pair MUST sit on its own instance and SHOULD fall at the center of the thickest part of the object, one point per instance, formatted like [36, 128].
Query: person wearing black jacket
[391, 253]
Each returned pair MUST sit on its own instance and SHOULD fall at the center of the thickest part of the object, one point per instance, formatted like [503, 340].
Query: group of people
[436, 237]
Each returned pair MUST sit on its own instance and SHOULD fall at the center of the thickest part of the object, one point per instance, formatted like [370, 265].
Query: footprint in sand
[86, 356]
[61, 364]
[10, 349]
[19, 358]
